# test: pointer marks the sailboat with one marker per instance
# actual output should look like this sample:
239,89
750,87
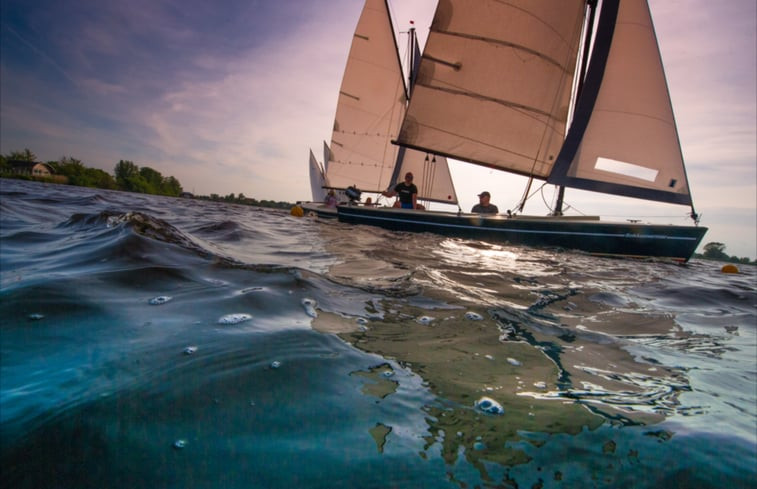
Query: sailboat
570,92
373,98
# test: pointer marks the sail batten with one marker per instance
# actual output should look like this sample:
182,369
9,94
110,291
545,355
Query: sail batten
499,42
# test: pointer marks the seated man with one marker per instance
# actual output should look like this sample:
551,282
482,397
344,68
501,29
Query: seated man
484,206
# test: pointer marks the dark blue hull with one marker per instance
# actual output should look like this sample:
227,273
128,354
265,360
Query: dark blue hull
318,209
628,239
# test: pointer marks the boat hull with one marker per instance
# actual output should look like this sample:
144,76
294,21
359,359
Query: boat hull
625,239
318,209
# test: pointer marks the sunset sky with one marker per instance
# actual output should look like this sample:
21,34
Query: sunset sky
229,96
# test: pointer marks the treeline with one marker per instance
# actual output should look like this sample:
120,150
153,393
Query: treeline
716,251
241,199
128,176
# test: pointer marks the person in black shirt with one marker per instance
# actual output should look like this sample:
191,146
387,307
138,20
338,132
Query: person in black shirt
483,206
407,192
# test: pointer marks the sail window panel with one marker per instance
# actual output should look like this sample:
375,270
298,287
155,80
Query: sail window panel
491,92
632,120
626,169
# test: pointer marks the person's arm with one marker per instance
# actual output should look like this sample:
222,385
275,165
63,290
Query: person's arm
390,193
415,200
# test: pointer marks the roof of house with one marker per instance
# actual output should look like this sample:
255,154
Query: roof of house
21,164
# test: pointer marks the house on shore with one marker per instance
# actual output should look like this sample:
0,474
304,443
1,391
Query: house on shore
31,168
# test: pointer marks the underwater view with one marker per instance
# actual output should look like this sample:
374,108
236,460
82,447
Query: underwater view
149,341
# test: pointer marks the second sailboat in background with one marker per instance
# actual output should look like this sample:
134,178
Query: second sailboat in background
372,101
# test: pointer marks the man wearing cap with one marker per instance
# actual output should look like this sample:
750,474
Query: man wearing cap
483,206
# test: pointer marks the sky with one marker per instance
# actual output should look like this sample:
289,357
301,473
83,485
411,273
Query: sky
229,96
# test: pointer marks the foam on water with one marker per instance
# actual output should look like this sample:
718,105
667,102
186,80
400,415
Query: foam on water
234,318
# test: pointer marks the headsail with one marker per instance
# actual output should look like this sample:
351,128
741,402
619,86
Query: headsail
495,81
432,175
623,139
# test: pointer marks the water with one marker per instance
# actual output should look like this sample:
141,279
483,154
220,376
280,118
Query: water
158,342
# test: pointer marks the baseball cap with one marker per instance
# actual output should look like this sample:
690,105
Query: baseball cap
482,194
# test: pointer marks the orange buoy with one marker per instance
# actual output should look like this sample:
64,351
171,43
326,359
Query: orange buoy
729,269
297,211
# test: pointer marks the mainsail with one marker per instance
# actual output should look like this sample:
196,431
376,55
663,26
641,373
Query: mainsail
372,102
496,82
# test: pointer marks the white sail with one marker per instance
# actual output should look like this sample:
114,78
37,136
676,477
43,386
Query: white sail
326,157
624,139
431,176
372,102
495,82
370,107
317,180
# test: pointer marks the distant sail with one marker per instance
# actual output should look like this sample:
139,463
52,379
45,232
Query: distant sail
317,180
326,157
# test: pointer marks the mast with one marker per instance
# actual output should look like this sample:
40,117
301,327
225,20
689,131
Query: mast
411,60
412,42
591,6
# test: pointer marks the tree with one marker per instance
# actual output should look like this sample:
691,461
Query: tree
24,155
152,178
715,251
129,178
171,187
124,171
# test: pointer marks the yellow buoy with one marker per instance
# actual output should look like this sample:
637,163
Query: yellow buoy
729,269
297,211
